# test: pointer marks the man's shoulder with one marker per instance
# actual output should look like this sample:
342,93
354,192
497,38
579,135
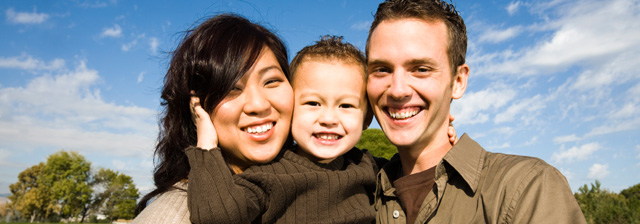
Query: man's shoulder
515,169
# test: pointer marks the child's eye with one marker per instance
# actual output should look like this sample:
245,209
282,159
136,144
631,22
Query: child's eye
346,105
312,103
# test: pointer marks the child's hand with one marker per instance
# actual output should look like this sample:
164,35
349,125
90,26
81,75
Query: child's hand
207,137
453,138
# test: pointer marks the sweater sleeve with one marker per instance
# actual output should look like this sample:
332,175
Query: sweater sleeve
214,194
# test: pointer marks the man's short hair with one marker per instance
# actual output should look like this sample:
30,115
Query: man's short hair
427,10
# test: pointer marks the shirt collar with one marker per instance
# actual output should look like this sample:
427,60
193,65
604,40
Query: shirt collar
467,158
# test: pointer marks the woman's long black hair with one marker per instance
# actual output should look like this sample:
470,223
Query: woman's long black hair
209,60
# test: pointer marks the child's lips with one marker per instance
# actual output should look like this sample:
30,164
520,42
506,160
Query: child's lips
326,138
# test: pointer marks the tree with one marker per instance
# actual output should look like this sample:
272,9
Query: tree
117,200
28,195
68,175
65,187
602,206
377,143
632,194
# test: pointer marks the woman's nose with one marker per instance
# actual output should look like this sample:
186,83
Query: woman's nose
256,102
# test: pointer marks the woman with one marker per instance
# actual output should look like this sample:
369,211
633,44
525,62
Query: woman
240,72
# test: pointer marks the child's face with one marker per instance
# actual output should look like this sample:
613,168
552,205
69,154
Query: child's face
329,109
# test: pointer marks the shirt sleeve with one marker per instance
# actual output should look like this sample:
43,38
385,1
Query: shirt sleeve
214,194
544,196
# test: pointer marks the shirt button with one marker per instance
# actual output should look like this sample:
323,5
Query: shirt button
396,214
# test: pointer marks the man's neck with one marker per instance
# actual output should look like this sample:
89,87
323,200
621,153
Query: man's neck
418,160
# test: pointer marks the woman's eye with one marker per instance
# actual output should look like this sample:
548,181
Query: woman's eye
272,82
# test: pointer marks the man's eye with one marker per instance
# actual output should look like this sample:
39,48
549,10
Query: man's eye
382,70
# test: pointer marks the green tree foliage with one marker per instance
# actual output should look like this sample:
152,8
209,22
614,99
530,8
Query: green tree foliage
68,175
65,187
632,194
119,195
377,143
28,195
602,206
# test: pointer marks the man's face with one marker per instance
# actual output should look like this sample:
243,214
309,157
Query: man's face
410,82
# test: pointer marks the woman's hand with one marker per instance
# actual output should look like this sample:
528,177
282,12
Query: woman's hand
453,138
207,137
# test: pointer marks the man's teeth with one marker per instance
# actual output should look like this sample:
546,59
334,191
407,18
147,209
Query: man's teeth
403,115
260,129
327,136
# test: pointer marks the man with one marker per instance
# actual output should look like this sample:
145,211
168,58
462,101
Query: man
416,61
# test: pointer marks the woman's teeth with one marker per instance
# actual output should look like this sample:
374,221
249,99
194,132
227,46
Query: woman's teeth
260,129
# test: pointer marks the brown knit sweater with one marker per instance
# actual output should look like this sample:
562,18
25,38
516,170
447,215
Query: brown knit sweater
290,189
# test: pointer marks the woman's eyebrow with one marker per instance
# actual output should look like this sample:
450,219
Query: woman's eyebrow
269,68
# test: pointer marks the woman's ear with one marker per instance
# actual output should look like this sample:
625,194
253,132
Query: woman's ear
460,81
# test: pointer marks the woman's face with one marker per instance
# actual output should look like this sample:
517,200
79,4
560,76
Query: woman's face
253,120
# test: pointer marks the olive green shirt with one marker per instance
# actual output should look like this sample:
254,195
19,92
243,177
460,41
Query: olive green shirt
476,186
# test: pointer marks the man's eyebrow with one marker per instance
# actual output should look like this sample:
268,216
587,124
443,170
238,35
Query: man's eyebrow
378,62
420,61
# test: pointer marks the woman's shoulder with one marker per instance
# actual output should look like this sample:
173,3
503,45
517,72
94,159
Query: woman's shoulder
169,207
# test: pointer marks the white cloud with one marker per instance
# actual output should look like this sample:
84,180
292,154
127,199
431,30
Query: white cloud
598,171
25,17
634,92
114,31
628,110
530,106
26,62
140,77
496,36
65,110
578,24
608,128
531,141
512,8
575,153
472,108
126,47
503,146
638,151
119,164
361,26
567,138
153,44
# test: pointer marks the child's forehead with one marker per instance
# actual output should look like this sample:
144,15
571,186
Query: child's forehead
340,61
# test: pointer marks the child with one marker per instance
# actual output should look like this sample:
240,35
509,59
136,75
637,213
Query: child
322,179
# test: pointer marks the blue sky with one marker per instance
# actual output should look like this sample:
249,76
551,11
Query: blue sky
552,79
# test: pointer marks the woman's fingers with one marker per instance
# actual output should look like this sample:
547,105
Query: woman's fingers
453,138
206,132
